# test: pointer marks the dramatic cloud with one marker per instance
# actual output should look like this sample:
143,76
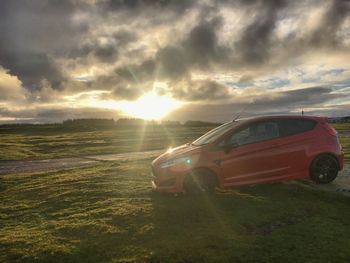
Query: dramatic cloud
276,56
257,40
31,33
201,90
326,33
10,88
283,102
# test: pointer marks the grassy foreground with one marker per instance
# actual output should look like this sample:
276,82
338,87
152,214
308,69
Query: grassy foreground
108,213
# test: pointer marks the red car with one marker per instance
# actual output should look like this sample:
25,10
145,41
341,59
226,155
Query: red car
250,151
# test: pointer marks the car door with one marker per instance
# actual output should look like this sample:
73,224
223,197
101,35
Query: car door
296,139
252,154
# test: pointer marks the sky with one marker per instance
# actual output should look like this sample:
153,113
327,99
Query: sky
173,59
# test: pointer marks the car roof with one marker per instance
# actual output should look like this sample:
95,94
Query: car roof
242,122
269,117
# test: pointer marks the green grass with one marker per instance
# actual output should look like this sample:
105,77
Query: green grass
345,142
107,213
344,136
53,141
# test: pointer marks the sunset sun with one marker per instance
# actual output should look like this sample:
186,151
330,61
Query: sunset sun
150,106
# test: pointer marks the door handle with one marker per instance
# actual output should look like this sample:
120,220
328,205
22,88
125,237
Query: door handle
217,162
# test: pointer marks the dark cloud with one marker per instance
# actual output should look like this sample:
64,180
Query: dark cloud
314,95
333,19
171,63
120,89
134,5
202,43
200,90
124,37
256,41
270,102
30,32
284,100
123,92
174,62
137,73
200,48
31,68
106,53
245,79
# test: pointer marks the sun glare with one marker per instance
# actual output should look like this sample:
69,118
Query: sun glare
150,106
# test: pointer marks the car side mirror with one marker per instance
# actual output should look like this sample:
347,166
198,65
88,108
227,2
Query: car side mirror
229,147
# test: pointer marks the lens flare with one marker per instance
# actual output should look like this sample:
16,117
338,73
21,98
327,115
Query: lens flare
150,106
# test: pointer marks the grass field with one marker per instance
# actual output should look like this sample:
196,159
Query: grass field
108,213
344,135
53,141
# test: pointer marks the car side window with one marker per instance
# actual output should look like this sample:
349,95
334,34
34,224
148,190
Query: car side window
289,127
255,133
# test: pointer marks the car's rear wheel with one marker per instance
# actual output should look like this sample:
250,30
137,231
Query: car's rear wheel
324,169
200,181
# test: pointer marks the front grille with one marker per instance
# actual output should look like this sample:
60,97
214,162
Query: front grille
167,182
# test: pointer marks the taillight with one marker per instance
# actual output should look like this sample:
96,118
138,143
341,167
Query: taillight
330,130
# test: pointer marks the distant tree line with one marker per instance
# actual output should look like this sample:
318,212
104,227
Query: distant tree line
90,122
200,123
132,122
124,122
340,120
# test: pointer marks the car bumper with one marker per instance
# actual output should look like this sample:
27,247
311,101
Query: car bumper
166,184
165,189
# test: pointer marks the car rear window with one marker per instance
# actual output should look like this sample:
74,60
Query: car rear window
295,126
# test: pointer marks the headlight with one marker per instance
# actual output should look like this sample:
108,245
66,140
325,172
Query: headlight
182,160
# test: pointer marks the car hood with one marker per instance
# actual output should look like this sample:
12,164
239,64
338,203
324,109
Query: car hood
183,150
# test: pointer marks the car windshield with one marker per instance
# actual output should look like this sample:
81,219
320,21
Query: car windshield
212,135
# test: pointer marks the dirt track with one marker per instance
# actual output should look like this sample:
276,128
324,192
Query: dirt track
9,167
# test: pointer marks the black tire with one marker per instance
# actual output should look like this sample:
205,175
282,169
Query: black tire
200,181
324,169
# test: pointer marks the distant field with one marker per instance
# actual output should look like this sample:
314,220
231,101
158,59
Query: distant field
53,141
107,213
344,135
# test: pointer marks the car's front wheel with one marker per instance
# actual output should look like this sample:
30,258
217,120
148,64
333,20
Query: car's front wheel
324,169
200,181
